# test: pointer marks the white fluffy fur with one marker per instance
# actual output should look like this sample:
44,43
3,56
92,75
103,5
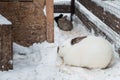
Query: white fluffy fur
91,52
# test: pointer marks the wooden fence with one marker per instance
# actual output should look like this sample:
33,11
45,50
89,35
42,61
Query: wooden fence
106,17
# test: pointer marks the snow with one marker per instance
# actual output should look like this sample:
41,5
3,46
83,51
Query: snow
59,2
41,61
4,21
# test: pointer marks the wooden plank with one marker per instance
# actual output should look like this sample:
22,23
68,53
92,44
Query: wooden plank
0,46
62,9
27,37
16,0
111,20
4,0
90,25
50,20
72,8
6,61
25,0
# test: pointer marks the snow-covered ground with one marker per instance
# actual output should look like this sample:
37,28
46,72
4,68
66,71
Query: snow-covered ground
41,61
58,2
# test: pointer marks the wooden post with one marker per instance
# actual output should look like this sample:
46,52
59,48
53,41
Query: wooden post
72,8
50,20
16,0
0,47
6,55
5,47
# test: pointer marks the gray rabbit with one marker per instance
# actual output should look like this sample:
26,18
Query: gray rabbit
65,24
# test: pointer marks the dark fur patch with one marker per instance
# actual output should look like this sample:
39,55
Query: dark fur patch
58,17
77,40
57,49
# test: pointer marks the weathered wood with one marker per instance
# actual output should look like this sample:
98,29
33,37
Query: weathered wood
112,21
28,21
27,36
16,0
62,9
90,25
6,55
25,0
72,9
50,20
0,45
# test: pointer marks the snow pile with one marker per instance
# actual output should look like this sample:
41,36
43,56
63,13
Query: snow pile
59,2
4,21
41,61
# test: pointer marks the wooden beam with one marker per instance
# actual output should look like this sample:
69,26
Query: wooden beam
111,20
62,9
6,54
72,8
16,0
0,46
50,20
90,25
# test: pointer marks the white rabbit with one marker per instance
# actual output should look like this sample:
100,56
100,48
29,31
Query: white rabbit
90,52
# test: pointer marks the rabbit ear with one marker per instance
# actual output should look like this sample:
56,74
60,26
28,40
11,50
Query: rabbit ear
61,15
77,40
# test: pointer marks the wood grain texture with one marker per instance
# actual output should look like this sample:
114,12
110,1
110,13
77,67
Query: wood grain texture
26,18
0,45
62,9
16,0
6,55
111,20
90,25
50,20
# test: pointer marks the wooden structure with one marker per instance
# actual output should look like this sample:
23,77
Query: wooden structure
109,19
16,0
6,47
106,17
50,20
30,25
